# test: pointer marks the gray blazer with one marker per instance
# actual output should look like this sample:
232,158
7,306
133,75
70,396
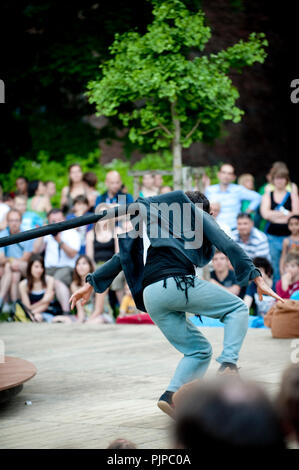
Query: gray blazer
176,232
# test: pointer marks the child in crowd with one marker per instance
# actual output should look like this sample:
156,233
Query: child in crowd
289,282
127,306
251,295
290,243
223,275
37,291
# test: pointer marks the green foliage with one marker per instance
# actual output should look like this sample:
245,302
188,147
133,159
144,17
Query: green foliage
148,73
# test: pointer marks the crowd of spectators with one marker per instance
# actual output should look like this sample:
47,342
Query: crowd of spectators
42,273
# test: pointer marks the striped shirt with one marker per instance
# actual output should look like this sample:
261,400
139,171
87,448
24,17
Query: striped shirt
256,245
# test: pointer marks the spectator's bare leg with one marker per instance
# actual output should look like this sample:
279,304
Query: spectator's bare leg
98,308
63,295
5,281
14,288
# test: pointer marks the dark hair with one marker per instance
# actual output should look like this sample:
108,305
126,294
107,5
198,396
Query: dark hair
22,178
81,198
7,197
32,187
263,263
76,278
14,210
90,179
122,444
228,413
244,215
292,256
32,260
296,217
199,198
55,210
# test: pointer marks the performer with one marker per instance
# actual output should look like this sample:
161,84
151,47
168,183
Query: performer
163,283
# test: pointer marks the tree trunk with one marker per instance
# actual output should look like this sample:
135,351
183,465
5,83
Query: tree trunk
176,150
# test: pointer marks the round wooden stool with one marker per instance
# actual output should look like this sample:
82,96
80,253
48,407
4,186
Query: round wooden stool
13,373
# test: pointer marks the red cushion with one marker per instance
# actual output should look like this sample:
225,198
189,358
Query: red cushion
137,318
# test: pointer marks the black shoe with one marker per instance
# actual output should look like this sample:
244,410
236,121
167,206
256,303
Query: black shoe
228,368
166,404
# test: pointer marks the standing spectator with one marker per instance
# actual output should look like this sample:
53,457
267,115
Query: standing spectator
91,180
231,196
81,207
276,208
13,258
61,252
158,182
251,295
251,239
75,188
289,282
30,219
22,185
290,243
38,201
37,290
148,187
114,194
222,275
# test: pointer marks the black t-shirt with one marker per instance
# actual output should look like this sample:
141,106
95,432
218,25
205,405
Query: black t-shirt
229,281
163,262
280,230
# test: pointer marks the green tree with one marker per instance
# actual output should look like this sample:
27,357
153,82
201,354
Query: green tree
164,89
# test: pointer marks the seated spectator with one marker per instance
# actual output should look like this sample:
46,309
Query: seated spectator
90,180
8,199
289,282
50,188
251,295
22,185
246,180
75,188
30,219
148,187
251,239
13,258
38,201
114,194
276,208
290,243
231,196
288,402
215,210
127,306
37,291
230,414
222,275
61,252
100,247
4,208
81,207
158,182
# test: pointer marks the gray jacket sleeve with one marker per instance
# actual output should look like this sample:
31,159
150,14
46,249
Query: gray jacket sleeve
105,274
242,264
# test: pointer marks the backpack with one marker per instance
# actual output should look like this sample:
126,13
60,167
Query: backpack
22,314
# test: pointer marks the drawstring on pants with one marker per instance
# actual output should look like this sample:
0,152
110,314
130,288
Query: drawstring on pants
183,283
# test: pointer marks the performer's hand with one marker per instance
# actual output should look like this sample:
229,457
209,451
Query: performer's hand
264,289
82,294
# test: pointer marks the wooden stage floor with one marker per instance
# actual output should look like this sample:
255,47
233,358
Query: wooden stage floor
95,383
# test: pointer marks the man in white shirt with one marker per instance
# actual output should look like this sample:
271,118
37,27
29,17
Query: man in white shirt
61,252
230,196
